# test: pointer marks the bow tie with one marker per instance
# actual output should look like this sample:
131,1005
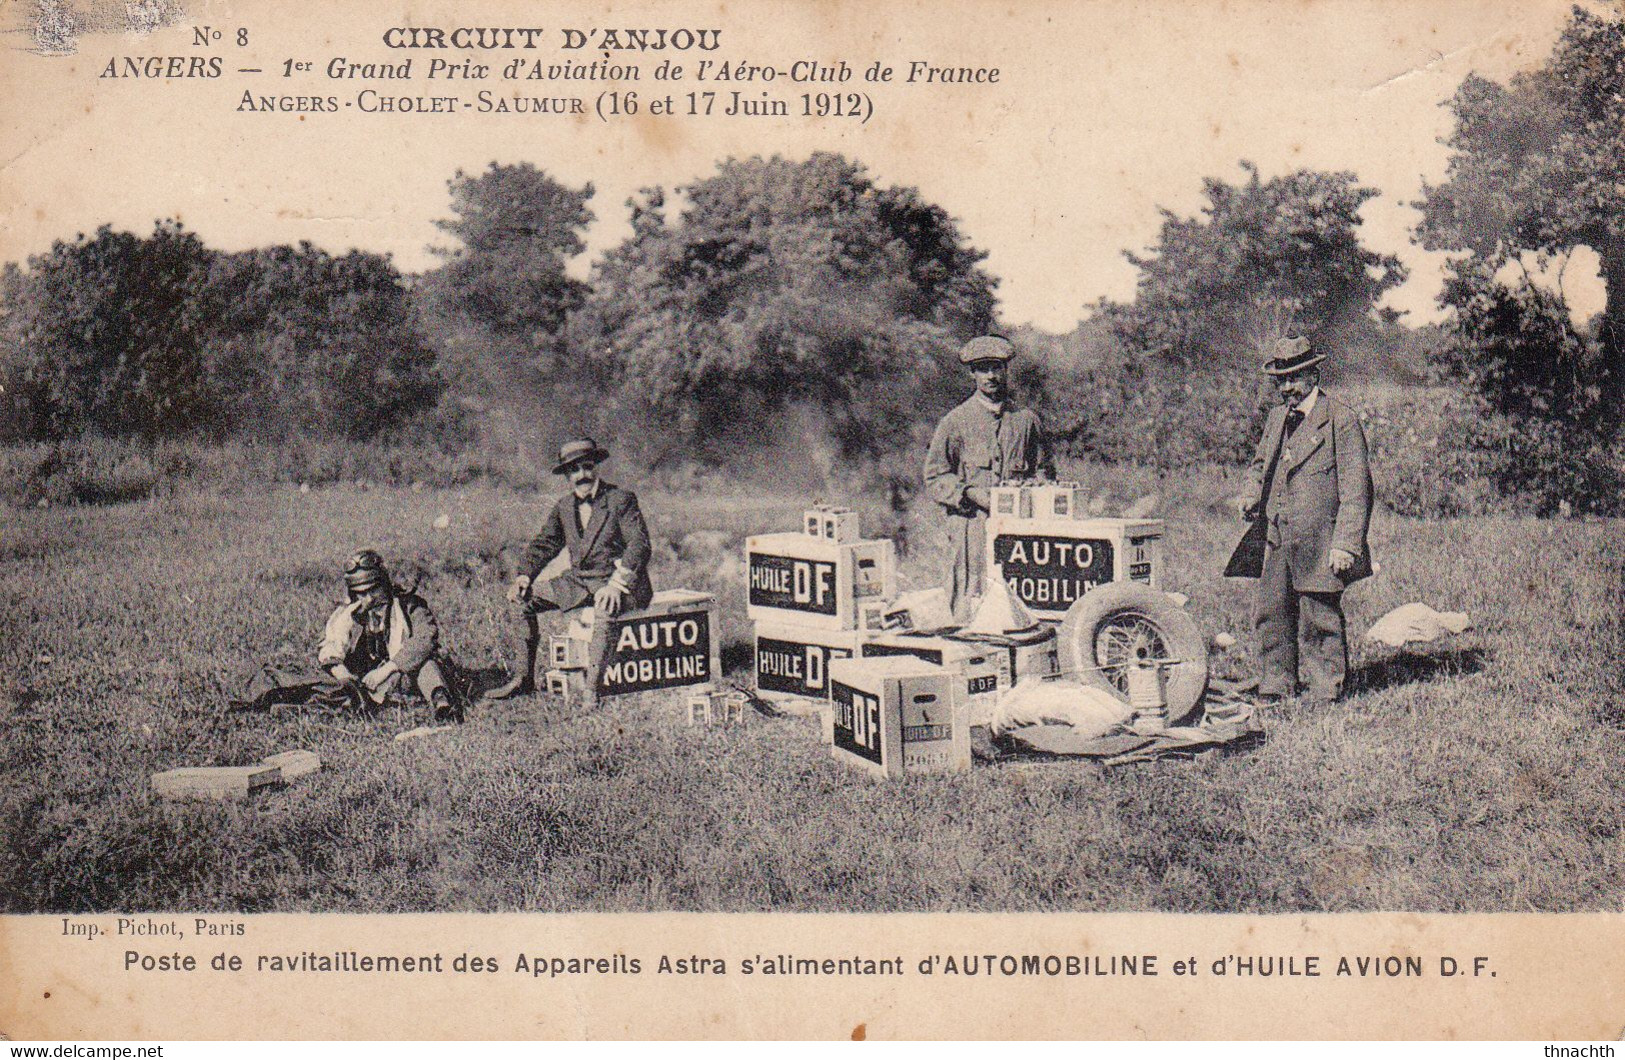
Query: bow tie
1293,418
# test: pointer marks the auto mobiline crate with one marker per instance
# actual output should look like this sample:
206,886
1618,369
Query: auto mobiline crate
898,715
984,668
792,661
672,643
1049,564
1039,500
815,582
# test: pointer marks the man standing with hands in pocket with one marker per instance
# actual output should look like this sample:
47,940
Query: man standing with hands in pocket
1310,504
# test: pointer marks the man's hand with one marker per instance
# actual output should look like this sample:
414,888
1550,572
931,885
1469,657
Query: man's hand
1340,561
979,496
609,599
379,677
519,591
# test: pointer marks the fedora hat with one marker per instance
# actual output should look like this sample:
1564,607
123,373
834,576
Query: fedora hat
1291,355
573,452
986,348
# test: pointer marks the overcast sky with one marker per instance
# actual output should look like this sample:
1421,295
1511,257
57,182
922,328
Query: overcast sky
1103,113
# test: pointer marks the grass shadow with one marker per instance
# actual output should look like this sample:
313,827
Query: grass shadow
1408,668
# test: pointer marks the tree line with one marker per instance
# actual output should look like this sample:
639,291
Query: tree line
775,285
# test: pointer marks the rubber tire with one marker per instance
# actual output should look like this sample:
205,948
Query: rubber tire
1186,680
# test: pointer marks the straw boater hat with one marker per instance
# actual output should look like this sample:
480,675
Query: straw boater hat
986,348
572,453
1291,355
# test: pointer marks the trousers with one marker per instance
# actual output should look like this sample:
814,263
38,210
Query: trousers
967,544
314,686
1298,631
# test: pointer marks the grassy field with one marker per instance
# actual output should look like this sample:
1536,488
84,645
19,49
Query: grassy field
1488,774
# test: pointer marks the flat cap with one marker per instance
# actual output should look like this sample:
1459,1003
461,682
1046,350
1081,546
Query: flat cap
986,348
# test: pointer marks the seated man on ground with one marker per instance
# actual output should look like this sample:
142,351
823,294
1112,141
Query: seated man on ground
382,640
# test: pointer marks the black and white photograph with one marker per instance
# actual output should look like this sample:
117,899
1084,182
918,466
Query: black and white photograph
1005,463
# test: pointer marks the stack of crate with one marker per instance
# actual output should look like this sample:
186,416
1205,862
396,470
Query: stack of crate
814,597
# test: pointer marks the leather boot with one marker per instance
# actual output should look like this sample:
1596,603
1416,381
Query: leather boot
523,681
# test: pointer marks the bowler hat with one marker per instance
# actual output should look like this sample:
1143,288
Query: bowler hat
364,571
573,452
986,348
1291,355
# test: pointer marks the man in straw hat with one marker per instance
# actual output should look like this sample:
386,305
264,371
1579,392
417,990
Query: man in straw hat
383,640
602,527
977,445
1310,505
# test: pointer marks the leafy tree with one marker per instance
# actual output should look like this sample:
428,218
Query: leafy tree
302,340
1538,169
98,336
785,283
518,228
1263,257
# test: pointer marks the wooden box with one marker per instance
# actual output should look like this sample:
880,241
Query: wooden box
792,660
567,652
215,783
672,643
831,524
715,708
816,582
1048,564
983,669
898,715
294,764
1040,500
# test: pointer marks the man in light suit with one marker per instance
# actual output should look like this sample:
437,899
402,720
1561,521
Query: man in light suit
602,527
1310,502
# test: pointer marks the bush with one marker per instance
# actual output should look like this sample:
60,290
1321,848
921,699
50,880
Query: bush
1436,453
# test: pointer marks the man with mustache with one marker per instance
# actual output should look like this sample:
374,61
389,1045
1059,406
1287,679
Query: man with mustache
602,527
1311,497
977,445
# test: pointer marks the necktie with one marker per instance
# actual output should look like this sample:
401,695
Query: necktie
1293,418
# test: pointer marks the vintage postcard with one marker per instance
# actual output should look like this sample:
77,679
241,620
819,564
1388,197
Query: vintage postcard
784,519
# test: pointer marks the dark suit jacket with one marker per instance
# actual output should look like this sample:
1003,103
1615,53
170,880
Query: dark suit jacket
616,531
1320,498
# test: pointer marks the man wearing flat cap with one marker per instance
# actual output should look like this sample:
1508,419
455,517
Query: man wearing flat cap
979,444
602,527
1310,505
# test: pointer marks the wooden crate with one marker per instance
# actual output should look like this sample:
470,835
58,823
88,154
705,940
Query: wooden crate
896,716
716,708
832,524
294,764
792,660
567,652
1040,500
812,581
672,643
215,783
984,669
1048,564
